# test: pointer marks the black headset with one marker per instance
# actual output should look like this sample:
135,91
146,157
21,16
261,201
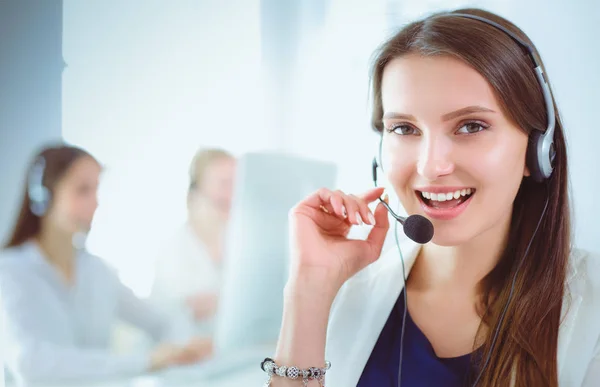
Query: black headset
540,158
38,194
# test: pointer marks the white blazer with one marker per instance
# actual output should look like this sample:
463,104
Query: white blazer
363,305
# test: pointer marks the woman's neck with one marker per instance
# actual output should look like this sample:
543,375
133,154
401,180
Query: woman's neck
57,248
459,268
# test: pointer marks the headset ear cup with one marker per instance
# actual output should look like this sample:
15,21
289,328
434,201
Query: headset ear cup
39,195
39,200
45,199
533,159
38,209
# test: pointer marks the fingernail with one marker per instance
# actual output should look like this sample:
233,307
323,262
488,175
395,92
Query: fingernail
386,198
359,219
371,218
344,213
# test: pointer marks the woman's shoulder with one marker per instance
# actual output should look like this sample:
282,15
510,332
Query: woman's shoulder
579,254
15,257
579,340
583,283
27,256
18,266
584,267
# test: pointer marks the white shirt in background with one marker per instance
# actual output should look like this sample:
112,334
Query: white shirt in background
61,332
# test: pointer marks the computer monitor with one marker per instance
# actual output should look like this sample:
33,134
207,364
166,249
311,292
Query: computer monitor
256,256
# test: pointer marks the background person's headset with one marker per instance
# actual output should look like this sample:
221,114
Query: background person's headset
540,157
39,195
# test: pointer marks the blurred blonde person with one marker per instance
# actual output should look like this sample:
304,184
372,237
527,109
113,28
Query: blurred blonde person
187,279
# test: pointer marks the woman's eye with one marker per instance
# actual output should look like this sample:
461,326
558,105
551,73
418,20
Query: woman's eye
404,130
471,128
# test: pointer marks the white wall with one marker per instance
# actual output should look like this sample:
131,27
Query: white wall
30,100
30,94
149,81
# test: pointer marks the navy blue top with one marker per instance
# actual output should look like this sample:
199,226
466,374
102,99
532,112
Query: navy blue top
420,365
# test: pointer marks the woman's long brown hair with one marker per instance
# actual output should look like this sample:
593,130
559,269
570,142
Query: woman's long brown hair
57,159
528,335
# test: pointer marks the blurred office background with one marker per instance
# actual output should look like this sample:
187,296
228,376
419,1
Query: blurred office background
142,84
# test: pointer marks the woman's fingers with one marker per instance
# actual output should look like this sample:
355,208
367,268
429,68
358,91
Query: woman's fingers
353,208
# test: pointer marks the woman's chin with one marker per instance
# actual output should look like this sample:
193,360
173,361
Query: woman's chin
449,237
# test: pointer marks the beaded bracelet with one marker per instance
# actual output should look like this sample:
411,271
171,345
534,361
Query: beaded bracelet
272,369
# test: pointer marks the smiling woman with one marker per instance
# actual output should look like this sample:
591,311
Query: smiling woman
471,139
469,131
448,142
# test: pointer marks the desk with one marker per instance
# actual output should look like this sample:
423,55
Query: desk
238,369
251,376
247,377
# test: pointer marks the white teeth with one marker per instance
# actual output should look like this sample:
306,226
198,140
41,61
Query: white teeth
442,197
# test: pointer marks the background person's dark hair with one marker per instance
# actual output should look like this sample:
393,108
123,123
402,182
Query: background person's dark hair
57,161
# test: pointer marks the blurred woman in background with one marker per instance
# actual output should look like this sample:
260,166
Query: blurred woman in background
61,302
188,275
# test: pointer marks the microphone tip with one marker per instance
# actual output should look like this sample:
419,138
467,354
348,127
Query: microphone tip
418,228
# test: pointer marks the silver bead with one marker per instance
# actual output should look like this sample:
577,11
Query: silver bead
327,365
281,371
269,367
293,372
316,372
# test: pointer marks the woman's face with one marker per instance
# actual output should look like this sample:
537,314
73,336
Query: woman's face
75,197
449,151
217,184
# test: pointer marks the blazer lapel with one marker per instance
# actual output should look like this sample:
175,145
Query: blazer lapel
571,303
365,304
581,324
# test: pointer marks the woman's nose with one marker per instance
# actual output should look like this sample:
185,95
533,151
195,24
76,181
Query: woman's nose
435,157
